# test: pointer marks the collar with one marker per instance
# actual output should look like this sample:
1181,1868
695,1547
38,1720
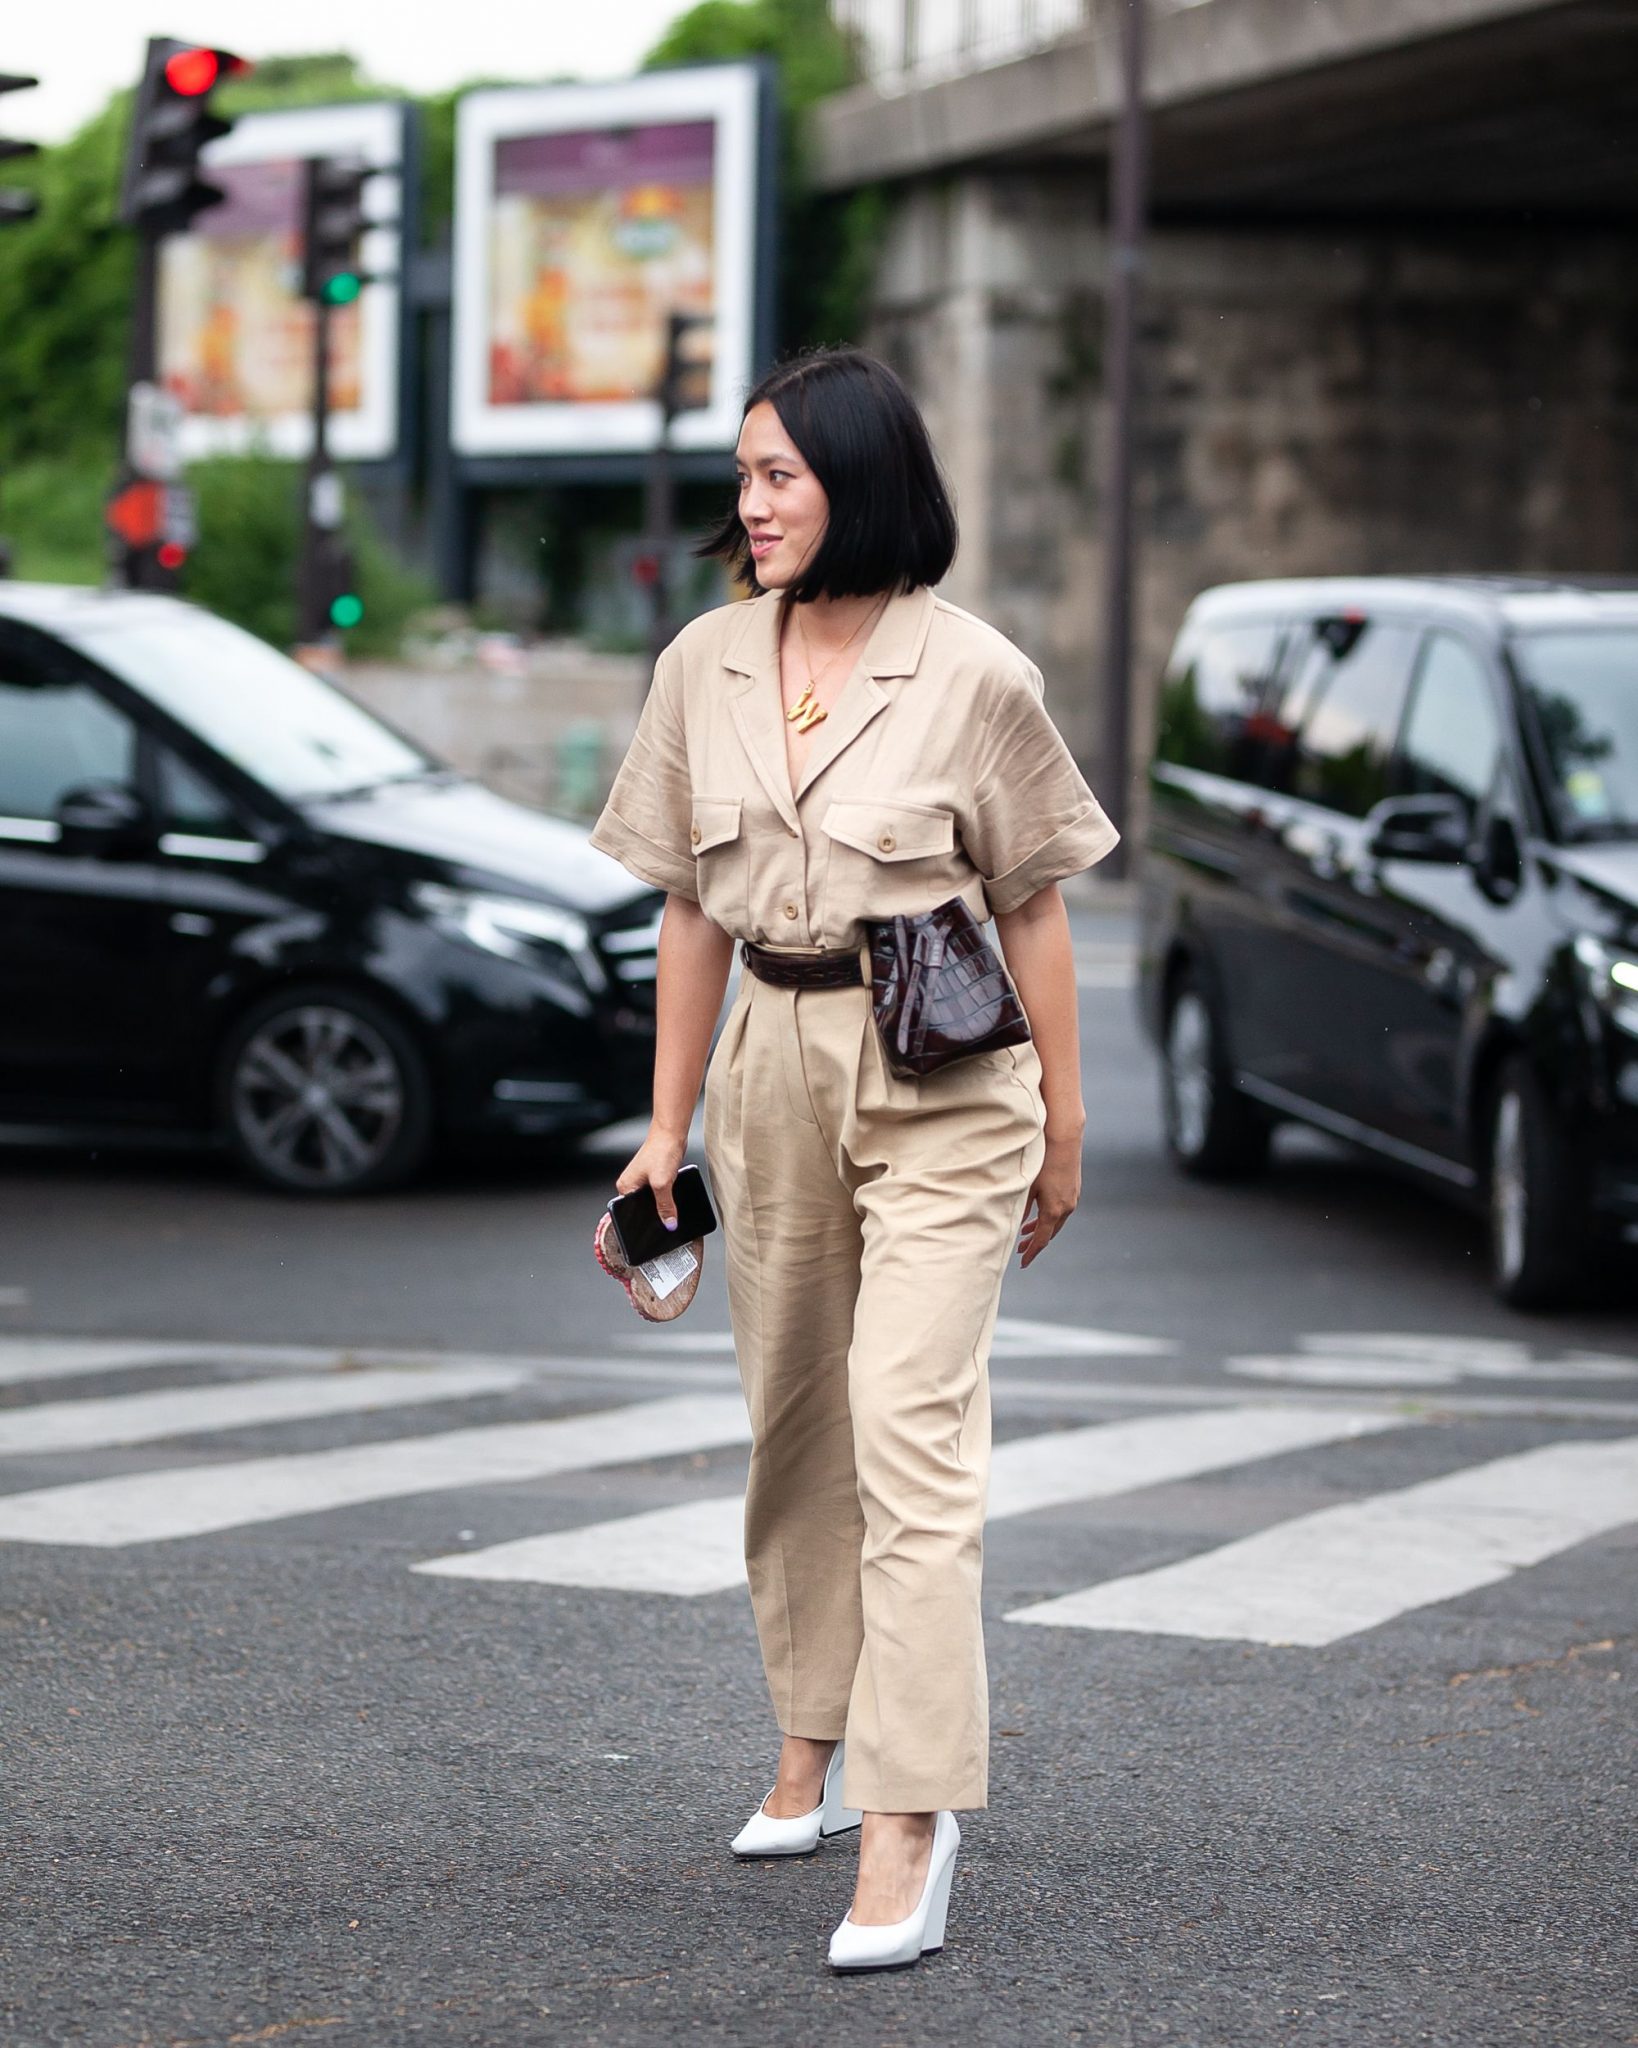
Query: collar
893,649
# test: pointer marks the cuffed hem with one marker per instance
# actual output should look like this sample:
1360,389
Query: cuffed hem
657,865
1075,847
867,1794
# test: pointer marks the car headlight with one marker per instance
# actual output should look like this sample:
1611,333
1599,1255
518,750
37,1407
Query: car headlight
514,926
1611,974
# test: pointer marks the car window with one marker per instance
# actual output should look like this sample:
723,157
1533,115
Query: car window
189,803
56,733
1453,733
1344,709
1582,686
295,733
1212,696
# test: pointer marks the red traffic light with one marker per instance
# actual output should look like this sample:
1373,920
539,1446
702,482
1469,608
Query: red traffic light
137,512
193,72
171,554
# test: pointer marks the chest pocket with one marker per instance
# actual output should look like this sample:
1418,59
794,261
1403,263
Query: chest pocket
716,836
887,856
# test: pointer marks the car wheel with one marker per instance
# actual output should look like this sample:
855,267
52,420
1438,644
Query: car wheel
1212,1131
322,1092
1537,1208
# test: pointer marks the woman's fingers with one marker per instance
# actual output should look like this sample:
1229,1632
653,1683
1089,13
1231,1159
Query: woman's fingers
664,1200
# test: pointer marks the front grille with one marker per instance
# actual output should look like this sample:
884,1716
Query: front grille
628,947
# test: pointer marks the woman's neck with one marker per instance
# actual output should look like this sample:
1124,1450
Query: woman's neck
830,622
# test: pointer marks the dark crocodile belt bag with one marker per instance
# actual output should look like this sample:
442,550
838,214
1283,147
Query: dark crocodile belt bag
939,991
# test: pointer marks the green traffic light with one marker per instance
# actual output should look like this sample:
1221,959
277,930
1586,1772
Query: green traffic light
346,610
342,289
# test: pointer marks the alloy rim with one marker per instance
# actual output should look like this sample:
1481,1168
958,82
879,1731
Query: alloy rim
318,1096
1188,1074
1509,1193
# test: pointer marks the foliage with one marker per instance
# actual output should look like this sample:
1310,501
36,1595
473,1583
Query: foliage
65,298
51,512
827,243
244,566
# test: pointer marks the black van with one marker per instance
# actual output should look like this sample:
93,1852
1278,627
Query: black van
232,901
1391,891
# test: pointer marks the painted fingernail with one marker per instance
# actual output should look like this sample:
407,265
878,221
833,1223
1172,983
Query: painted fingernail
670,1222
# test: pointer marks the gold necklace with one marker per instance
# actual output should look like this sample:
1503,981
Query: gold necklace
807,711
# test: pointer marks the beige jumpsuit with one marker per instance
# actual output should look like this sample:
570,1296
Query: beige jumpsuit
867,1219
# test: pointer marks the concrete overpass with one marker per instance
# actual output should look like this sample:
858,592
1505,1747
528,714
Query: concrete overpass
1390,312
1298,106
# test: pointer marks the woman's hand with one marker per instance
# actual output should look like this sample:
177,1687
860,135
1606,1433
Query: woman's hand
654,1165
1053,1197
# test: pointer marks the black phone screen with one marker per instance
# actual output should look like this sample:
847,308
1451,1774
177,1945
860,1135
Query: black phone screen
637,1221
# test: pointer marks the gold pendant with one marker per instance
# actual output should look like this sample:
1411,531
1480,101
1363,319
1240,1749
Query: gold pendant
806,712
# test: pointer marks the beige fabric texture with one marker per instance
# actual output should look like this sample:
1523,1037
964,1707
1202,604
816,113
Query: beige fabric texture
937,773
867,1218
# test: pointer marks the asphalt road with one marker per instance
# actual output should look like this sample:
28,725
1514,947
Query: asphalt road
1310,1586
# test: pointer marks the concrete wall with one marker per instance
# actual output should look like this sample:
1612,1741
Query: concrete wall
1316,400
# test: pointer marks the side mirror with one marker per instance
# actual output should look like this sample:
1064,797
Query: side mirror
1425,828
103,818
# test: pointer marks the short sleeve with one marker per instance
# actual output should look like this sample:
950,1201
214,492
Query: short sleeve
645,823
1034,821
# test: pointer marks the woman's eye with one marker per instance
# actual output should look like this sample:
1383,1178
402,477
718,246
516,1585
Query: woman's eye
779,476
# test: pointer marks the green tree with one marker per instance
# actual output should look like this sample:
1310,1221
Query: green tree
827,244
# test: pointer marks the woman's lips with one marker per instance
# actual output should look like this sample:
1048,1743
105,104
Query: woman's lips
764,543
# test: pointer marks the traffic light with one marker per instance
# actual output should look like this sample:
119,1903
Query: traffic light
162,190
333,224
15,205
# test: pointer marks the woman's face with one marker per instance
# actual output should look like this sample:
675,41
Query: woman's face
782,504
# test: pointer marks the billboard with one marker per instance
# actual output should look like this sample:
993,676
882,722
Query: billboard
584,216
235,339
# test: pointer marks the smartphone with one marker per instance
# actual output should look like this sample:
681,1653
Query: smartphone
637,1219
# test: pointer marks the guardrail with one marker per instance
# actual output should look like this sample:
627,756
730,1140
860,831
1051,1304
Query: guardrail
906,43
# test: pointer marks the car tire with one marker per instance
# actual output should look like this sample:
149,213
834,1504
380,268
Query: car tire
1537,1210
1212,1131
321,1091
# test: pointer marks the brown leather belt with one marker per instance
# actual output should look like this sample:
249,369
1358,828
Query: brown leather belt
802,970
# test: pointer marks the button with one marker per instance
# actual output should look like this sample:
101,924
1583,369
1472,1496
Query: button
790,909
694,835
887,842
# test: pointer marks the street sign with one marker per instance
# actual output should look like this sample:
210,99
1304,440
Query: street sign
153,431
181,519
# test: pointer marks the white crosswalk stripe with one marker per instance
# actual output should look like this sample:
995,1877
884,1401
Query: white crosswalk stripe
1324,1576
146,1507
195,1411
695,1549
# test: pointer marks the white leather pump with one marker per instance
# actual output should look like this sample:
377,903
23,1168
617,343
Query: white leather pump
765,1834
889,1947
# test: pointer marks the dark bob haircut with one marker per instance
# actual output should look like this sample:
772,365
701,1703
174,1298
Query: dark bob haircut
891,524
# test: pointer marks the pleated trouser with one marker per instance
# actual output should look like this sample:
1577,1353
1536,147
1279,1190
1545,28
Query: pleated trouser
867,1223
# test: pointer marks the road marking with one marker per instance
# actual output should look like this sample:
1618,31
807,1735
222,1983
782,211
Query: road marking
1354,1358
194,1411
1321,1577
1014,1338
149,1507
697,1548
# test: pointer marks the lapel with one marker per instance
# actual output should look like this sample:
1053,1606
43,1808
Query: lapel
893,650
753,654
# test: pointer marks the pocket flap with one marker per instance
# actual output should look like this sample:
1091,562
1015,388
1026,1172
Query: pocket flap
890,830
715,820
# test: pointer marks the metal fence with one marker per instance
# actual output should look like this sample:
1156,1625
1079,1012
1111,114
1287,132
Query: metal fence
904,43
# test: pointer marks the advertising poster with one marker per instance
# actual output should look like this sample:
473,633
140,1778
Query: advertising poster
236,339
586,216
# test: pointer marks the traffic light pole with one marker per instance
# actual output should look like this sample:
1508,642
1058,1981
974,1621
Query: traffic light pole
1128,214
321,499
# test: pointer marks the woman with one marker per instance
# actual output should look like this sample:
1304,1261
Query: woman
846,747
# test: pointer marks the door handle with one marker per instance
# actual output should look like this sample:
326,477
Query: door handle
192,924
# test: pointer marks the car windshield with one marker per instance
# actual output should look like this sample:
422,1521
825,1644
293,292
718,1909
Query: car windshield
291,730
1583,685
